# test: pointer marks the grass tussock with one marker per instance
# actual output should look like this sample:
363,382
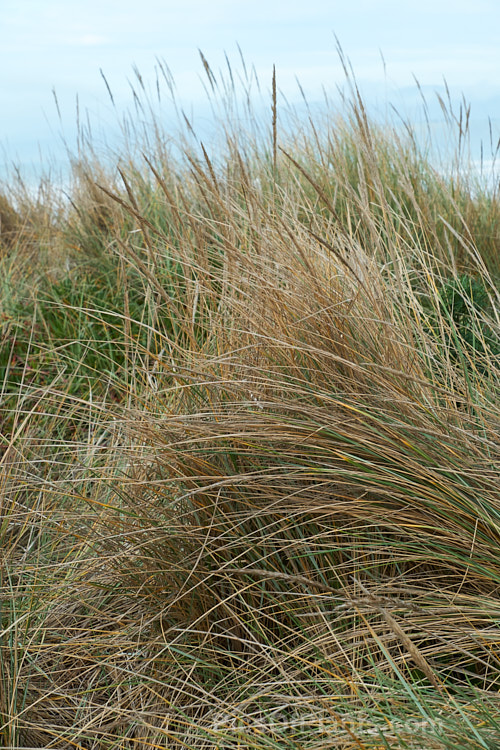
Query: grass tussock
250,446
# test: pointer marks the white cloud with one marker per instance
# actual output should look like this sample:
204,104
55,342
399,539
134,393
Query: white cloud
92,40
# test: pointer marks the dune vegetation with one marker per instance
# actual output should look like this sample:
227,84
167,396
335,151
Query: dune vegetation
250,478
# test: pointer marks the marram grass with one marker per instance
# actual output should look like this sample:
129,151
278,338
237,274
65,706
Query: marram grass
250,448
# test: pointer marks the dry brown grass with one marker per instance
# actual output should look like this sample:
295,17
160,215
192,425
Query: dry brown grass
274,523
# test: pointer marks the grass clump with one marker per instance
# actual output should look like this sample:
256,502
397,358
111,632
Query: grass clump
250,452
465,300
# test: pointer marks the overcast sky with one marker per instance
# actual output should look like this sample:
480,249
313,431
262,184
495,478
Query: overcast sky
63,44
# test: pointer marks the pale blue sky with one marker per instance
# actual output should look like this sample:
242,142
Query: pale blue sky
63,44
